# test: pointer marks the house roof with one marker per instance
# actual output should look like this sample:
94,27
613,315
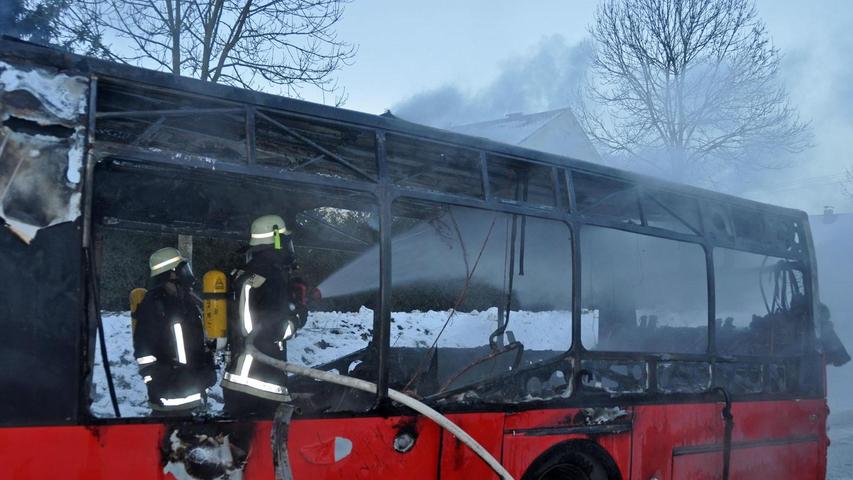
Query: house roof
554,131
513,129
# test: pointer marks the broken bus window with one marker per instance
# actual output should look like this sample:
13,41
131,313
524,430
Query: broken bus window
478,295
335,233
761,304
606,196
646,294
432,166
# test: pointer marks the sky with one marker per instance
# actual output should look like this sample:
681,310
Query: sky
406,47
470,52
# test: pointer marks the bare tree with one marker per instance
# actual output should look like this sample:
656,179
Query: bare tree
285,44
32,20
690,88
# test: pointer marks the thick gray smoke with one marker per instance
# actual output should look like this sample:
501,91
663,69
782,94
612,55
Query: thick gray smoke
548,77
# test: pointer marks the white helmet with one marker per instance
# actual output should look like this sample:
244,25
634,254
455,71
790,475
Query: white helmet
266,228
164,260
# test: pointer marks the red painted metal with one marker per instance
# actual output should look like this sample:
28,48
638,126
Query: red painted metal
373,454
125,452
673,441
772,439
457,460
527,435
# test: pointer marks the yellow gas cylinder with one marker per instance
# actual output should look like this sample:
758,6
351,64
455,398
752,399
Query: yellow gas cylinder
214,289
136,296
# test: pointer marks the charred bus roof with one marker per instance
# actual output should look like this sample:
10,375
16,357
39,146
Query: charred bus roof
142,114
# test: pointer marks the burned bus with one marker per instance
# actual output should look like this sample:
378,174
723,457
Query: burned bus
484,311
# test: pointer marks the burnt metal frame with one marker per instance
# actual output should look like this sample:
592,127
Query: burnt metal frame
385,192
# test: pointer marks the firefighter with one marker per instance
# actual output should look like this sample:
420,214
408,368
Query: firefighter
168,341
262,304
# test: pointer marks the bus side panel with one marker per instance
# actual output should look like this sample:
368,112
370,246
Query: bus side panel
660,428
794,461
684,441
457,459
42,144
792,432
126,452
530,434
41,314
141,451
362,448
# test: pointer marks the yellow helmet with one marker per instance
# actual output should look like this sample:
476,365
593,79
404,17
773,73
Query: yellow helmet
265,229
164,260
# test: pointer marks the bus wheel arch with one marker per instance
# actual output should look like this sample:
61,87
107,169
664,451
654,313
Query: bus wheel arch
574,460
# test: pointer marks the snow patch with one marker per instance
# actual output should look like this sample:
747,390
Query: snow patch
328,336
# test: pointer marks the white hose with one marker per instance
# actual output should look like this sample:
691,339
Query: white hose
396,396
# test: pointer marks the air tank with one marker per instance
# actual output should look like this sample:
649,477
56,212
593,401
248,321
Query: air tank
214,290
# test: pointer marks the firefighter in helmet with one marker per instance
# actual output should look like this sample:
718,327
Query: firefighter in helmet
168,341
262,304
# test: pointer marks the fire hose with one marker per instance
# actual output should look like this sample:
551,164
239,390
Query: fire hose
394,395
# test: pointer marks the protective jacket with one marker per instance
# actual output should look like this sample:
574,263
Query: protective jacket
261,304
169,347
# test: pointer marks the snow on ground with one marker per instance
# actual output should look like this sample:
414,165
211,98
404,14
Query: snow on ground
330,335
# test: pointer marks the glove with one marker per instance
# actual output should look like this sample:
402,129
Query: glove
289,332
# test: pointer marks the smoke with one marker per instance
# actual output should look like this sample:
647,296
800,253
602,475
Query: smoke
549,76
818,79
835,276
818,76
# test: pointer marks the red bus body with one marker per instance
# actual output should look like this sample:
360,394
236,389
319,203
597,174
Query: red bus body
772,439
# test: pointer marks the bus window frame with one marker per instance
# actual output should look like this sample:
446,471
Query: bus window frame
498,206
385,193
663,234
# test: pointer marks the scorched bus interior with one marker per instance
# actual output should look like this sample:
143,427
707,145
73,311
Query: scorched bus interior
507,281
